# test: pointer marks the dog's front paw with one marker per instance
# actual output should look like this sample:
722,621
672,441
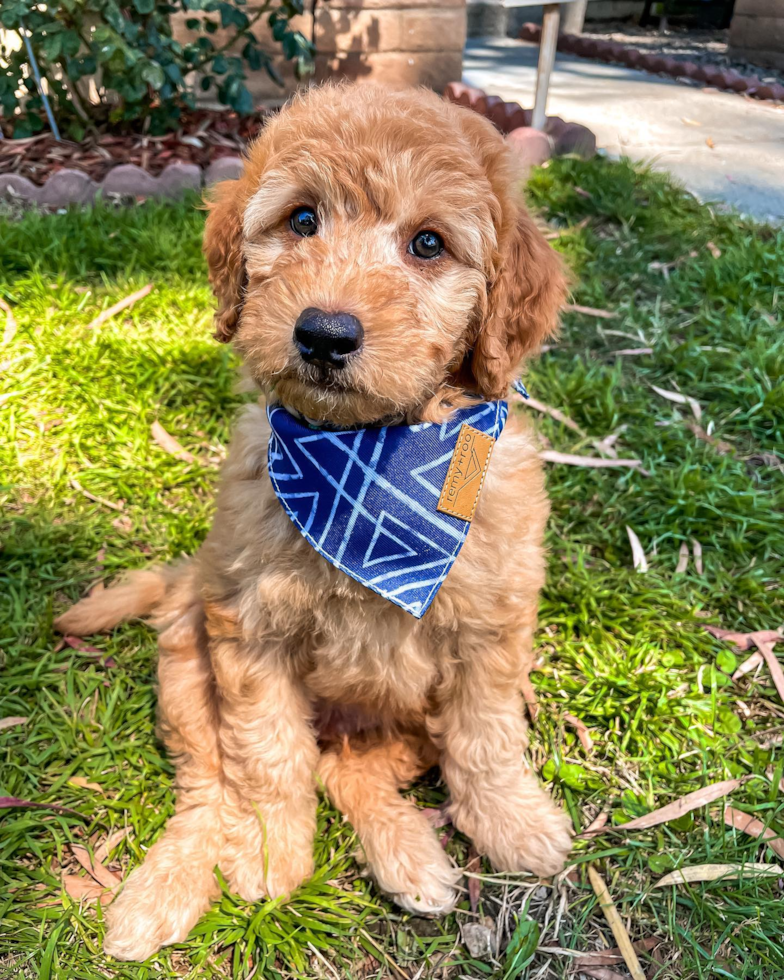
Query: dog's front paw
521,831
269,859
152,911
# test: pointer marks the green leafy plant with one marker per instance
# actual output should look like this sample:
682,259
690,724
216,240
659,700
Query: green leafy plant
111,63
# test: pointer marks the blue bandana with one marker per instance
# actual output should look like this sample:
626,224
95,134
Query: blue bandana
366,499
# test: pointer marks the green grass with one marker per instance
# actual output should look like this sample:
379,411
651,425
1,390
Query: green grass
625,652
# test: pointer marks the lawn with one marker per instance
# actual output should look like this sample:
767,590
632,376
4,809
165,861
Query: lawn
86,493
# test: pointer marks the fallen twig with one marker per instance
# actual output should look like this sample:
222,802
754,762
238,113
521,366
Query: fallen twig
91,496
616,924
589,311
169,444
555,413
597,462
123,304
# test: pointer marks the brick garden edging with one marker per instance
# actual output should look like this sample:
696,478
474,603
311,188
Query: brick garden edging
69,186
612,51
530,145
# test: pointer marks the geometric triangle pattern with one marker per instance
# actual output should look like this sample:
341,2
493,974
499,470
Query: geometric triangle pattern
366,498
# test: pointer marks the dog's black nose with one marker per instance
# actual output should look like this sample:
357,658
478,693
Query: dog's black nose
327,337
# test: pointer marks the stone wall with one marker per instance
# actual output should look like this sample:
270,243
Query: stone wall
416,42
757,32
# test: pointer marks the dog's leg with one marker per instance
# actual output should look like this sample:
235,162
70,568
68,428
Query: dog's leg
402,851
269,755
496,799
164,898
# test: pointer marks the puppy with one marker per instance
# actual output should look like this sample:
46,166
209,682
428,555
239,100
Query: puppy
374,266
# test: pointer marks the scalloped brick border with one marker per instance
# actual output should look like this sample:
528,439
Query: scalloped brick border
510,118
612,51
74,187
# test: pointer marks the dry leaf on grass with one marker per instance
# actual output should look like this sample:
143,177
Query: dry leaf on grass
601,973
679,807
103,850
529,696
169,444
638,552
589,311
582,731
714,250
751,663
599,821
436,816
555,413
610,957
474,866
94,868
722,448
76,644
616,924
680,399
10,323
776,673
84,889
696,550
745,641
714,872
123,304
83,783
11,721
754,828
683,559
594,462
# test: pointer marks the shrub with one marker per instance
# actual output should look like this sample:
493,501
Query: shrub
112,63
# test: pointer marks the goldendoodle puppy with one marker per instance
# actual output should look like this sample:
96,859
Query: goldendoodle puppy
376,269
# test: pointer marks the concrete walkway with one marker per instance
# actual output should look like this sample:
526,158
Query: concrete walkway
654,119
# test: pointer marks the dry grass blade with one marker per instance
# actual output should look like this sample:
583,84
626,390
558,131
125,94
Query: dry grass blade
680,399
638,552
682,806
555,413
616,924
94,868
754,828
582,731
10,323
589,311
714,872
123,304
601,973
751,663
683,559
169,444
610,957
696,550
598,822
596,462
631,351
12,721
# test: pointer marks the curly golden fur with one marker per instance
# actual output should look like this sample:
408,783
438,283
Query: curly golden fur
277,671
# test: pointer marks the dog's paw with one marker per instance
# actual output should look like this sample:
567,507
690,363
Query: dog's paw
521,830
259,865
150,913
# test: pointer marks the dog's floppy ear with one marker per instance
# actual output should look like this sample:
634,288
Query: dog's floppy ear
522,309
223,251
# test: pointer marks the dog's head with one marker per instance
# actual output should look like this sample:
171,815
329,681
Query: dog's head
375,256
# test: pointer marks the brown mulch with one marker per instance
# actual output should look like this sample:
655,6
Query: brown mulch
204,136
701,45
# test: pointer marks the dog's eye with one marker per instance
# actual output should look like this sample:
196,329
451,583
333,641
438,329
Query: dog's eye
426,245
303,222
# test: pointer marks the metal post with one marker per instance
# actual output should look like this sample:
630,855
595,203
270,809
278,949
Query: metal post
547,48
37,77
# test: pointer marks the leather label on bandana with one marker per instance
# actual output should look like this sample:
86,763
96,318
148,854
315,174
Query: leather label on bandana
466,473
